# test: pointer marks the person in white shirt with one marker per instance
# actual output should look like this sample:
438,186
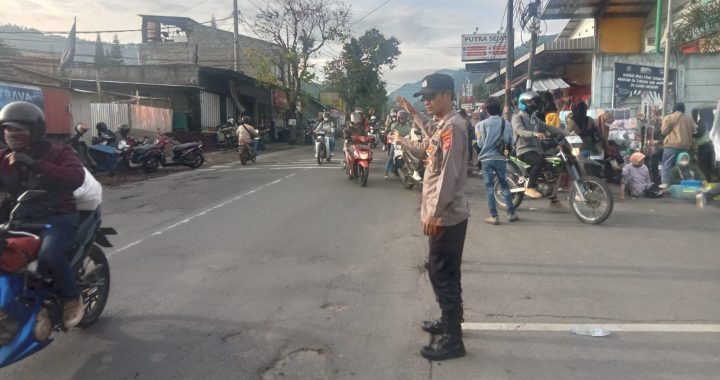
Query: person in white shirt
247,133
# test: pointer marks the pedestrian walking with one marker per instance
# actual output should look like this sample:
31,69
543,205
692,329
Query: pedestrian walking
678,130
444,209
704,149
496,137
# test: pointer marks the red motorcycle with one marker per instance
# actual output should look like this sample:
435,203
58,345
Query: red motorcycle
357,159
174,153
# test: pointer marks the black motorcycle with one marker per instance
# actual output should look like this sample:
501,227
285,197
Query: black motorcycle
174,153
590,198
406,165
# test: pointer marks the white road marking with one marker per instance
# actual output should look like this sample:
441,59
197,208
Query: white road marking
187,220
612,327
205,170
219,167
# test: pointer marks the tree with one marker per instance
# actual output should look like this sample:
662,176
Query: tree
482,91
115,58
357,74
213,22
300,28
700,21
100,59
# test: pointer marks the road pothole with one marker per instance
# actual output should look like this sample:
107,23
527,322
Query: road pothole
303,363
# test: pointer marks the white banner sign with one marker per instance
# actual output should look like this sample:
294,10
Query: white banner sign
483,47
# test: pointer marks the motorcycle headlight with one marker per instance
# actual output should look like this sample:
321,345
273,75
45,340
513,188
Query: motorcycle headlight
364,156
576,152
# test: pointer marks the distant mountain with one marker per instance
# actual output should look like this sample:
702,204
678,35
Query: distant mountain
408,89
33,41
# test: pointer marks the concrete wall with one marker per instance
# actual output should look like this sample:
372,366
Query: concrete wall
698,77
183,75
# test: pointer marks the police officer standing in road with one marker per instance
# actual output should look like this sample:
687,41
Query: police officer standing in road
444,210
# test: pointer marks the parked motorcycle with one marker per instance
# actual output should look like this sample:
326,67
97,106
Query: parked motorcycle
227,137
322,145
246,153
188,154
30,310
590,198
358,157
140,154
407,164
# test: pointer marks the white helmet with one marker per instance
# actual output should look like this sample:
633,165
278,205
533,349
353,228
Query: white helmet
356,117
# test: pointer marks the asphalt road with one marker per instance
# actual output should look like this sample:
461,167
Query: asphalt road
287,270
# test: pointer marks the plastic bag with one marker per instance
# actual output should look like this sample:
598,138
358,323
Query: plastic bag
88,196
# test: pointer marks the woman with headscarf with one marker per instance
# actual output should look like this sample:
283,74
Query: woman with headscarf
636,179
584,126
684,170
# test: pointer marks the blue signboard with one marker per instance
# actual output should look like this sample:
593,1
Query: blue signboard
16,92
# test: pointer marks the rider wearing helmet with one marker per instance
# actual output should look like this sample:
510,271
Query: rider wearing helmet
354,128
247,133
403,125
391,118
105,135
328,126
530,130
31,162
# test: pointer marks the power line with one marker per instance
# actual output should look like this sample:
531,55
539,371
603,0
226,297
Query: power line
369,13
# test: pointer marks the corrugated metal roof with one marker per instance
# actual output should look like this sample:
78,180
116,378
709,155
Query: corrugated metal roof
541,85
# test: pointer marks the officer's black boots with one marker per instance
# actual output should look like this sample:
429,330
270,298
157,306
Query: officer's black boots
450,344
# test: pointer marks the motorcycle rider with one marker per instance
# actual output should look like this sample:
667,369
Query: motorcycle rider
247,133
403,125
327,126
31,162
354,128
529,130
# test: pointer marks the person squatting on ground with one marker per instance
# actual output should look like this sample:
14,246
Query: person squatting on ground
678,130
496,138
636,179
444,208
31,162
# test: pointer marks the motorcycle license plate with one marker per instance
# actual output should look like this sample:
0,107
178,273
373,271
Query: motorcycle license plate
363,146
574,140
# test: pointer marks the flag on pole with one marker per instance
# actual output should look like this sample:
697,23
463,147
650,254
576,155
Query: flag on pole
68,56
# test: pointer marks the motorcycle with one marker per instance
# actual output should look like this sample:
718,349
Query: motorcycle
357,161
590,198
188,154
407,164
30,310
246,152
322,145
100,157
136,154
375,132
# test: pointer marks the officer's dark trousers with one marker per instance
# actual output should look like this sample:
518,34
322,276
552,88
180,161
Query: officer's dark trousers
446,251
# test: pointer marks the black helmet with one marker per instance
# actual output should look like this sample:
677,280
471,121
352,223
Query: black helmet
530,102
124,130
101,126
26,116
246,120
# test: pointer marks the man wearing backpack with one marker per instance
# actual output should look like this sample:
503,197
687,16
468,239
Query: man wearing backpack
496,138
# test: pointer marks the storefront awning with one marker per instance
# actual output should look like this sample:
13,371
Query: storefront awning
541,85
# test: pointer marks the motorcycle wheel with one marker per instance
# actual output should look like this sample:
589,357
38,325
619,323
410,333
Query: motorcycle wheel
517,198
152,165
197,160
320,155
243,160
94,275
406,178
363,174
599,201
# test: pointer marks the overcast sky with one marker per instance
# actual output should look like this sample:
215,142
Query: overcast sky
429,31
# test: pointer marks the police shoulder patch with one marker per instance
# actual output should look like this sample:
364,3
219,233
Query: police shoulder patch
446,137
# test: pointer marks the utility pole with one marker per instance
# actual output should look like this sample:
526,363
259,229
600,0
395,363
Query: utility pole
532,12
666,66
510,58
235,35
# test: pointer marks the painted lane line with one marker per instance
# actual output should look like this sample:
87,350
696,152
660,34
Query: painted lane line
220,167
613,327
206,211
